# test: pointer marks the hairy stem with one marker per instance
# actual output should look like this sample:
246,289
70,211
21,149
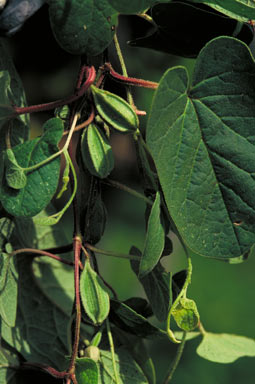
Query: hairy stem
129,80
77,250
38,252
125,188
91,75
123,67
111,253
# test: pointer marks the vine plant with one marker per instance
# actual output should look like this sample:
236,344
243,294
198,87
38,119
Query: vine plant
196,162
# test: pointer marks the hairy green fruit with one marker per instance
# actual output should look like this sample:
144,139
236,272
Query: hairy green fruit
115,111
96,152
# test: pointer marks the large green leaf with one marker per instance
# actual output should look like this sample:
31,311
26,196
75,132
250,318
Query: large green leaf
154,240
202,141
83,27
40,332
8,289
43,181
239,9
225,348
127,369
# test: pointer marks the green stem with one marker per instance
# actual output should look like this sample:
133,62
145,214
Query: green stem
176,360
125,188
109,334
146,17
123,67
181,294
111,253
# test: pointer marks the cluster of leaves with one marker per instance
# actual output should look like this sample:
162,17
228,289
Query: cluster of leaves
58,314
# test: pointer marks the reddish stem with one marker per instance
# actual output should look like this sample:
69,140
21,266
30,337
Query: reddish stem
77,243
42,253
91,75
129,80
51,371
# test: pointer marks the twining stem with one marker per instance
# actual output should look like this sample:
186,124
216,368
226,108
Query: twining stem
77,242
123,67
111,253
180,295
91,75
109,334
65,147
84,124
129,80
125,188
39,252
176,360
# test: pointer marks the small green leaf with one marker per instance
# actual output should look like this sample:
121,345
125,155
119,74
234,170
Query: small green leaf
8,289
186,314
158,287
115,111
132,322
43,336
225,348
86,371
14,174
83,27
94,295
128,370
154,241
41,182
96,152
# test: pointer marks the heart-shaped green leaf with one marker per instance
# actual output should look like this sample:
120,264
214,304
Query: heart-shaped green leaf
96,152
83,27
225,348
94,295
203,144
41,182
115,111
